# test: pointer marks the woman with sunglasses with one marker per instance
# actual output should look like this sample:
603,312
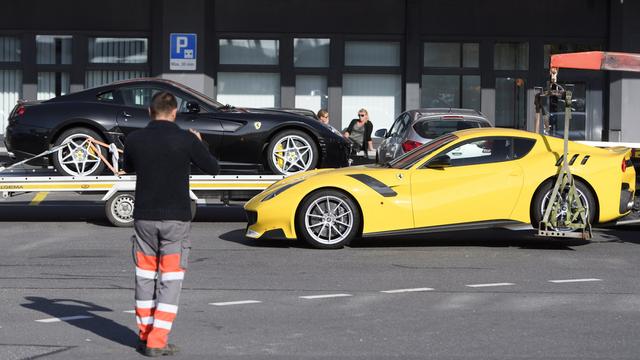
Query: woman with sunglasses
359,131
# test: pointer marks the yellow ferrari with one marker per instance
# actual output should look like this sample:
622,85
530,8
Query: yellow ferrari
476,178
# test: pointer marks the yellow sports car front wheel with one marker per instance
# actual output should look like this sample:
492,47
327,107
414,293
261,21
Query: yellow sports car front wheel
328,219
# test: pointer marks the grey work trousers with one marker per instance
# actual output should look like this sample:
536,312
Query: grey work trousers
160,253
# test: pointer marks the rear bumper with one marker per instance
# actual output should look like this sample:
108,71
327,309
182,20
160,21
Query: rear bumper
27,141
627,198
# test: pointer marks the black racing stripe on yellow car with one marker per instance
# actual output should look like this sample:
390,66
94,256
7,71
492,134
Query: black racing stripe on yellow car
378,186
451,227
571,161
584,161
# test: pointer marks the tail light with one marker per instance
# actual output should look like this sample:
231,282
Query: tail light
19,111
410,145
624,165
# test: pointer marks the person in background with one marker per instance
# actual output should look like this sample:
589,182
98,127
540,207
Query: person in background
323,116
359,131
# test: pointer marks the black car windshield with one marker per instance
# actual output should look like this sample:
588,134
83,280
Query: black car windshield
412,157
200,96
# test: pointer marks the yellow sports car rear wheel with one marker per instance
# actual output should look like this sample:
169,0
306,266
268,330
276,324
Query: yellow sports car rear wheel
543,195
328,219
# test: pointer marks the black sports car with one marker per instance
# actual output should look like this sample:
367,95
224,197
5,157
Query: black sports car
255,140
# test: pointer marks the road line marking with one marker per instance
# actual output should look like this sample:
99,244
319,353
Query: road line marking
38,198
243,302
572,280
489,285
310,297
130,311
405,290
66,318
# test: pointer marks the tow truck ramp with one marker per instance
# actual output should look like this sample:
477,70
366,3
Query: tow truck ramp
118,191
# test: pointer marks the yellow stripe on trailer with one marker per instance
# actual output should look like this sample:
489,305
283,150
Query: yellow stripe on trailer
38,198
44,187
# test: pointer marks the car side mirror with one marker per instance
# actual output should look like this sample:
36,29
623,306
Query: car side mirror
439,162
192,107
380,133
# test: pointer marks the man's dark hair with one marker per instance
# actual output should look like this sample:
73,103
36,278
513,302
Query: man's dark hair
162,103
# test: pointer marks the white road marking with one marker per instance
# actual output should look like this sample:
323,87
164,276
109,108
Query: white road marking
310,297
66,318
489,285
405,290
243,302
572,280
130,311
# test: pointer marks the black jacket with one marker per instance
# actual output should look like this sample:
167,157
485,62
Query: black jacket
161,155
368,129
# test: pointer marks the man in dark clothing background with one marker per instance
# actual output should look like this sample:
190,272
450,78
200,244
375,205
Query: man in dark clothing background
161,155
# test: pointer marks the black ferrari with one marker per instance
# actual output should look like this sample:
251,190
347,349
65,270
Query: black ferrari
244,140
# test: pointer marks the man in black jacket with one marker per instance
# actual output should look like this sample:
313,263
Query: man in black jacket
161,155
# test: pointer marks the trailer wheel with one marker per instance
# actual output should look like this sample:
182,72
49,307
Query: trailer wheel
119,209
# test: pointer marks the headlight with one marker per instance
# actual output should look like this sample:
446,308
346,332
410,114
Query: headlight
279,191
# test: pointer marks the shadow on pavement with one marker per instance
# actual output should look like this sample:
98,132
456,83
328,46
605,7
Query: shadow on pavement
484,238
96,324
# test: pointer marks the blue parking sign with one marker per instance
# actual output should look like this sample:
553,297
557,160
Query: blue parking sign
183,49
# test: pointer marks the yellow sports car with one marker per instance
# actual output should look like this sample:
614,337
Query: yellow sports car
468,179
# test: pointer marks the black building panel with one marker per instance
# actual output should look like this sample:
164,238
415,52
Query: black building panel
515,18
326,16
76,15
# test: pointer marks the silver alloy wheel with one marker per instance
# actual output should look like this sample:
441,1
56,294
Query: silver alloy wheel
122,208
563,211
78,158
292,154
328,220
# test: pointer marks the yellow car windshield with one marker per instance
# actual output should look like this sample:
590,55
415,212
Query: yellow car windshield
409,159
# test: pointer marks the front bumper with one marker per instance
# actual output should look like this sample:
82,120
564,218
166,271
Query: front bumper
335,153
268,219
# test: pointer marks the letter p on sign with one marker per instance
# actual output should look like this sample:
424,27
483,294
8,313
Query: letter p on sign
183,51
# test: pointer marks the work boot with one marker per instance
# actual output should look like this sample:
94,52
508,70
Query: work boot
170,349
141,346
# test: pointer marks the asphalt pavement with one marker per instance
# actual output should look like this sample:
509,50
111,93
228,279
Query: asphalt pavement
66,292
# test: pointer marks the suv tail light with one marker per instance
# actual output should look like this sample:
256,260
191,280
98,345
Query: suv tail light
409,145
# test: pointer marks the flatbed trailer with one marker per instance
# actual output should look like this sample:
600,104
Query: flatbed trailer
118,191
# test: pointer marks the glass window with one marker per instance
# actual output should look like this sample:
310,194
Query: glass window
380,94
440,91
105,96
471,91
9,49
141,97
510,103
118,50
53,49
551,49
311,92
249,51
431,129
52,84
400,125
454,55
489,150
372,53
451,91
311,53
95,78
511,56
10,93
249,89
442,54
470,55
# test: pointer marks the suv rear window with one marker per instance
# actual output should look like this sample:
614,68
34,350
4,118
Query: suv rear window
431,129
